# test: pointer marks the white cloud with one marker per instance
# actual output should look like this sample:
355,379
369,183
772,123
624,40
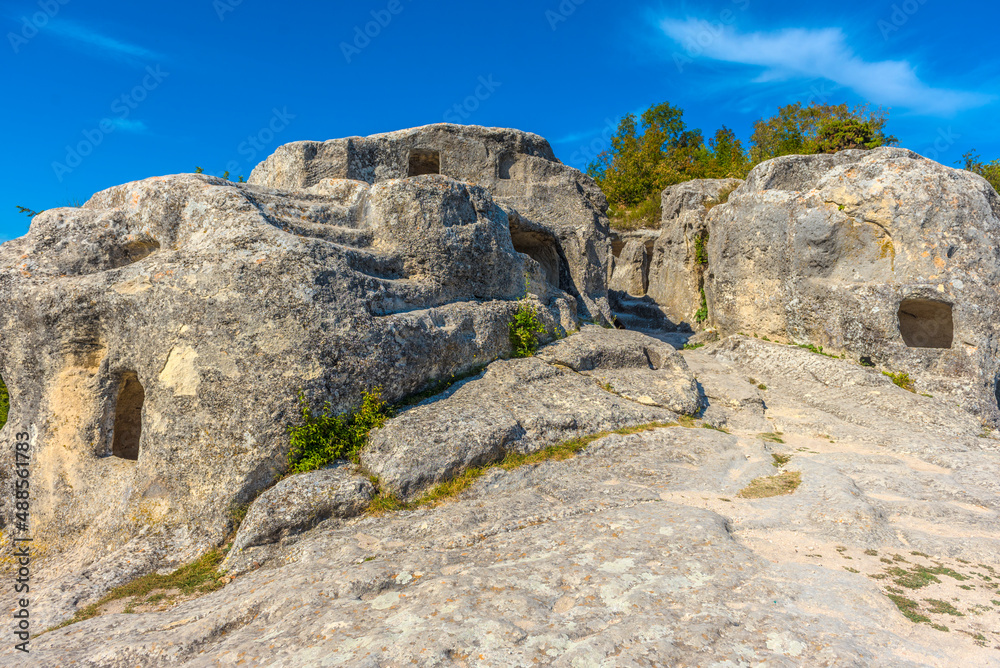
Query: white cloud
88,37
819,53
127,125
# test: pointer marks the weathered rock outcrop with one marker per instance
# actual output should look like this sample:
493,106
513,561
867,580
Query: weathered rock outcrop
675,276
880,254
641,551
154,341
657,277
525,405
560,216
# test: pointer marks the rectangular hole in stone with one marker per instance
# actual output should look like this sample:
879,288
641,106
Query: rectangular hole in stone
925,323
424,161
128,418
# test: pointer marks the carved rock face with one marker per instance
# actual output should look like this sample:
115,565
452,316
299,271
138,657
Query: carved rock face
155,340
879,254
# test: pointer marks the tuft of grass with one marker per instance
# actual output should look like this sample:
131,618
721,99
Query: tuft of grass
780,460
921,576
647,214
773,437
722,198
901,379
768,486
705,425
4,403
851,570
199,577
940,627
818,350
524,330
323,437
693,346
909,608
762,386
385,502
701,249
702,313
871,553
939,607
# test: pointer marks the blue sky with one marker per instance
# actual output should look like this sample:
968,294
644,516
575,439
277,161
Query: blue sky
99,94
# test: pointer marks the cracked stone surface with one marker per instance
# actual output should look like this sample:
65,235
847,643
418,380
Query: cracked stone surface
639,551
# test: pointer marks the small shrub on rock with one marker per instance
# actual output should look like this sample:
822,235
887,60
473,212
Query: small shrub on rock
524,331
324,437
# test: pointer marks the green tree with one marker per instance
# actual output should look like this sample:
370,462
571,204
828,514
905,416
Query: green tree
988,170
818,128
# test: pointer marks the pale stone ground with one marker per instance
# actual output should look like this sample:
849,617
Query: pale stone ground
639,552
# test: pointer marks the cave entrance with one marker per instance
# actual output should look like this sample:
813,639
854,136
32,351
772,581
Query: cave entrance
541,251
128,418
424,161
925,323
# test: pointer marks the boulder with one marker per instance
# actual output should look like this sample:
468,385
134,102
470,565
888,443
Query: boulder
155,340
881,256
299,503
561,211
675,276
526,405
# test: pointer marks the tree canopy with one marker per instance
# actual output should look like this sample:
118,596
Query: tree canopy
658,150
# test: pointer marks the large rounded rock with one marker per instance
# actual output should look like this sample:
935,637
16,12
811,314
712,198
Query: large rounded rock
565,227
299,503
155,340
876,254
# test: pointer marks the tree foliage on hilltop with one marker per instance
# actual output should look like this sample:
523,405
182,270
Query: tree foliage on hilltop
990,171
658,150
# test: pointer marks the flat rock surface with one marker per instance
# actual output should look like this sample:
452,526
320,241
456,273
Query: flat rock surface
641,551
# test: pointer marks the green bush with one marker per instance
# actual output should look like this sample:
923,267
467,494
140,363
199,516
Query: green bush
702,314
4,404
700,249
323,437
901,379
647,214
988,170
524,330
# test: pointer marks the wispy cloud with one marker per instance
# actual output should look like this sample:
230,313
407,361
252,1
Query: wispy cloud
129,125
822,53
87,37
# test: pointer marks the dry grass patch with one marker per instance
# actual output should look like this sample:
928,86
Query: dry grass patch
445,491
768,486
190,581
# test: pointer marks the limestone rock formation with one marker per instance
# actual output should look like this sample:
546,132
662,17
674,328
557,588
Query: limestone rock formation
154,341
641,550
560,216
657,275
882,255
523,406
